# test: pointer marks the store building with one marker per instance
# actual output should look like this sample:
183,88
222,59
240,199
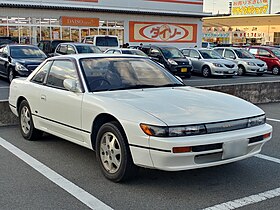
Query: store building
249,22
138,21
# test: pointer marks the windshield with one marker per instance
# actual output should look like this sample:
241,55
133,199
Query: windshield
104,74
243,53
26,52
107,41
172,53
88,49
134,52
276,52
210,54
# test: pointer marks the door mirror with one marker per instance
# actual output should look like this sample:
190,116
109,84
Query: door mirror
71,85
196,56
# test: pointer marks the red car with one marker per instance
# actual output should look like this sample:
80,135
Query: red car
270,55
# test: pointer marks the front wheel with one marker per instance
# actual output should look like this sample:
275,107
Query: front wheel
206,72
27,128
275,70
113,154
240,71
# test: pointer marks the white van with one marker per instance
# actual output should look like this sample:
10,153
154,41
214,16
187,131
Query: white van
102,41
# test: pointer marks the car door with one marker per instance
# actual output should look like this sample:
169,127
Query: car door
267,57
194,57
4,61
61,108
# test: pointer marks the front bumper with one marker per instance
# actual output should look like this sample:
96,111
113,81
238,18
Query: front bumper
207,150
255,69
223,71
179,70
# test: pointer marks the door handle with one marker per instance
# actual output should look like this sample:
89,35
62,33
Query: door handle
43,97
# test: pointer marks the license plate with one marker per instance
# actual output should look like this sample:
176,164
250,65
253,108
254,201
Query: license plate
234,149
230,72
184,69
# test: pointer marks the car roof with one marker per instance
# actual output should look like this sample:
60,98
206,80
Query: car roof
95,55
77,44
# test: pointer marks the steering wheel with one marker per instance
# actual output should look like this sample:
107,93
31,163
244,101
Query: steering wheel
98,83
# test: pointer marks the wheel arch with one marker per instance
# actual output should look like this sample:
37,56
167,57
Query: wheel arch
99,121
19,100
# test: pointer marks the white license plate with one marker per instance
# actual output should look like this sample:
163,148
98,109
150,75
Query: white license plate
234,149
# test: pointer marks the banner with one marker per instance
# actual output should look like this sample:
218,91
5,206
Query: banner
162,32
251,7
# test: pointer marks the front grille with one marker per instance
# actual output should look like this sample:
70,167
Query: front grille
229,66
226,126
260,65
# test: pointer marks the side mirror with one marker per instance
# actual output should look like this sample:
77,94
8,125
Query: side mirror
232,57
71,85
197,57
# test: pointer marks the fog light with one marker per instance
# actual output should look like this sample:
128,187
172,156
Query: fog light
181,149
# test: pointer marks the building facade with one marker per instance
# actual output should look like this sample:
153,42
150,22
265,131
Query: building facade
136,21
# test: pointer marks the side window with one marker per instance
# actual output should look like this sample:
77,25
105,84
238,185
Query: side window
61,70
220,51
254,51
146,50
62,49
263,52
155,52
39,77
117,52
229,54
41,45
194,54
70,50
186,53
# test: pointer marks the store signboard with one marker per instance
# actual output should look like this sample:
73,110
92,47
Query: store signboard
162,32
216,35
76,21
251,7
183,6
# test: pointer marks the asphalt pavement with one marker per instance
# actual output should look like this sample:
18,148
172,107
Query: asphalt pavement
58,174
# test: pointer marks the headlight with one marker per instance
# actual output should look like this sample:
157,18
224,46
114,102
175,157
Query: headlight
20,67
255,121
172,62
251,63
164,131
217,64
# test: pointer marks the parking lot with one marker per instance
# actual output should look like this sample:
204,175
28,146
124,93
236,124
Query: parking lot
52,173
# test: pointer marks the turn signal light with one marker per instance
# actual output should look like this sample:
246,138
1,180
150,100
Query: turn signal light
267,135
181,149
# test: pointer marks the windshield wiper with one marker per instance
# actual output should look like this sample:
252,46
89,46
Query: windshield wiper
172,85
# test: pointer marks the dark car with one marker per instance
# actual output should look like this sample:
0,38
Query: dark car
19,60
270,55
75,48
171,57
49,46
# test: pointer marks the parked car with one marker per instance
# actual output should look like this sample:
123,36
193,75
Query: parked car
246,62
6,40
171,57
270,55
49,46
75,48
19,60
128,51
208,62
139,114
104,42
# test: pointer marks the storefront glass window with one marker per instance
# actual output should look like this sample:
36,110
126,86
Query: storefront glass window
66,33
75,34
55,32
25,34
45,33
93,31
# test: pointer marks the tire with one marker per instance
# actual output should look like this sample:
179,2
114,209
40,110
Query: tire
113,154
206,72
28,131
241,70
275,70
11,75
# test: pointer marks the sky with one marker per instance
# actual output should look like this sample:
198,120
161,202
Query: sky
222,6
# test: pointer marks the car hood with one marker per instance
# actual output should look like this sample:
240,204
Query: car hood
26,61
221,61
185,105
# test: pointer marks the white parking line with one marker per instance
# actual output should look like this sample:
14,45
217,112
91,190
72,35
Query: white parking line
252,199
59,180
273,120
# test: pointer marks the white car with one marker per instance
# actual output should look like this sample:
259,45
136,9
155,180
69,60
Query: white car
134,113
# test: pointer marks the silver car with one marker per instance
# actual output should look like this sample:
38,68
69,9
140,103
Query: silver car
209,62
246,62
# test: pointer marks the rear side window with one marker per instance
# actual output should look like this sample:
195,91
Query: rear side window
220,51
186,53
41,74
107,41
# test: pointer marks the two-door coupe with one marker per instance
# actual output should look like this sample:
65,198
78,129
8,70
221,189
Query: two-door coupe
133,112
